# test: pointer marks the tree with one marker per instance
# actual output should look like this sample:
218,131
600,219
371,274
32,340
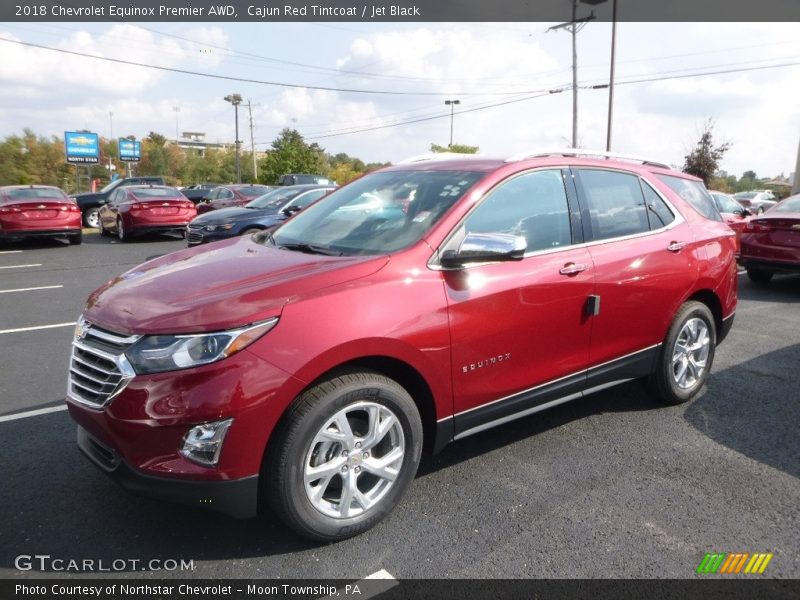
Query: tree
457,148
291,154
703,160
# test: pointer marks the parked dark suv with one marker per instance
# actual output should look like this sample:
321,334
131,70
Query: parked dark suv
91,202
415,306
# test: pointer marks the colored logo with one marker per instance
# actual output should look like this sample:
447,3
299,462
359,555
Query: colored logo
723,563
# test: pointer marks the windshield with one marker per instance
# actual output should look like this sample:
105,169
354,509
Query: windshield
35,194
251,191
155,193
745,195
377,214
111,186
273,199
789,205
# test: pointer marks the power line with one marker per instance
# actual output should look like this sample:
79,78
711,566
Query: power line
493,105
243,79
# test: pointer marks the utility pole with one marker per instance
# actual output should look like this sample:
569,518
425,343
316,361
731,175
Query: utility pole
252,141
574,26
611,73
796,183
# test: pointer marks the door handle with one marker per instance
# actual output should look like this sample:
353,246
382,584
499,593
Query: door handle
676,246
572,269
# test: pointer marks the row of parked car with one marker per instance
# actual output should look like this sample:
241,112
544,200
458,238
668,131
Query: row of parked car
768,230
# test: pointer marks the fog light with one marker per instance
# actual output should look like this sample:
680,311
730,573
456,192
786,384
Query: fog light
203,443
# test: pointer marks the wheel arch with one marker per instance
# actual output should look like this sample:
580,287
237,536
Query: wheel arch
712,301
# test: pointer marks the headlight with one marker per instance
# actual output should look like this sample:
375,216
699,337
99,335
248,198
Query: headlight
158,353
224,227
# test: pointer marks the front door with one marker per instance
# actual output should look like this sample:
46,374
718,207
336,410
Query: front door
520,330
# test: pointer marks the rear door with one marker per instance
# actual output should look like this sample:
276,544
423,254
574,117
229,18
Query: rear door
520,329
643,255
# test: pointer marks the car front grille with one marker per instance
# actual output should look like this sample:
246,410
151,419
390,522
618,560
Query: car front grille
98,369
194,234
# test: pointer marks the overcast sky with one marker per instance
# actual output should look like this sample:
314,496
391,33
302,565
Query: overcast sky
758,109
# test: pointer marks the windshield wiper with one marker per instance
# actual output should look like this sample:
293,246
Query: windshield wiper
311,249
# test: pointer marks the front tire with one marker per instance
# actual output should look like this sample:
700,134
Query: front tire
91,217
121,233
759,276
686,356
343,456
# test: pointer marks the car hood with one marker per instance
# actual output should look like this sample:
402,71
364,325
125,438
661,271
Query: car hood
218,287
226,215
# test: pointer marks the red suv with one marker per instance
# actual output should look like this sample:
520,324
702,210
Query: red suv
307,368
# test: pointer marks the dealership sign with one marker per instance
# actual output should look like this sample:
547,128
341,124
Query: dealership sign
130,150
82,147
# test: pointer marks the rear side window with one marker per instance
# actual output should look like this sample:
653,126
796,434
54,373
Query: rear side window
615,203
695,193
533,205
657,210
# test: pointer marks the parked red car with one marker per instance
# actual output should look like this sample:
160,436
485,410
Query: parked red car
771,242
735,215
229,196
309,367
38,211
139,209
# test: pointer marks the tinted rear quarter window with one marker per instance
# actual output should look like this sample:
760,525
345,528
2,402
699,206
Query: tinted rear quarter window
657,210
695,193
615,203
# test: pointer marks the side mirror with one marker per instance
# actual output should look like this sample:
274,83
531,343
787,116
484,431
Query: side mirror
291,210
485,247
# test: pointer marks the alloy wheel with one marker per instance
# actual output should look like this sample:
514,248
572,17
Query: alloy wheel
690,353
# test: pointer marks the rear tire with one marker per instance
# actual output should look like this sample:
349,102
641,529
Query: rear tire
360,434
686,356
91,217
759,276
76,240
250,231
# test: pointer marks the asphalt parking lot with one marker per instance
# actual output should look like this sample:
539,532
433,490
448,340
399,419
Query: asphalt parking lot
614,485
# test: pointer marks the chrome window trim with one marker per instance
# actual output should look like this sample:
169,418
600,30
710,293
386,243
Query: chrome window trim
433,262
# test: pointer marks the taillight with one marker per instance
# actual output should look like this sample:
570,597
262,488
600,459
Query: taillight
10,209
137,206
753,226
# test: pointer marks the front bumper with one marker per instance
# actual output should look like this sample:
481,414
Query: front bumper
237,498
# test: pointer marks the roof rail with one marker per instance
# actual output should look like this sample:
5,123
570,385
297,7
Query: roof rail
431,156
587,153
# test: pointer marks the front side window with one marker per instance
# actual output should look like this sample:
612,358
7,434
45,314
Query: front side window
533,205
615,203
373,215
695,193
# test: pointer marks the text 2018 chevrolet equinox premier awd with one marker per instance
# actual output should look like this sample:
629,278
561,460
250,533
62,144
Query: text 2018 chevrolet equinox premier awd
420,304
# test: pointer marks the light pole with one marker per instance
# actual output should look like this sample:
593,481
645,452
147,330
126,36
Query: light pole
236,100
111,138
177,110
574,26
452,105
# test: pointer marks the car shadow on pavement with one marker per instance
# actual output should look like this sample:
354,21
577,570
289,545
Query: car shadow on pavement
750,411
56,502
628,397
782,288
